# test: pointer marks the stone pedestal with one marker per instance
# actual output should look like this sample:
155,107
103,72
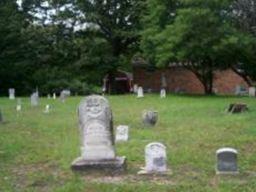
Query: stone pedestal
115,165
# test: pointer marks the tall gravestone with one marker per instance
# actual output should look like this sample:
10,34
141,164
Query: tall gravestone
11,93
54,96
34,99
155,159
64,94
135,88
226,161
140,92
97,139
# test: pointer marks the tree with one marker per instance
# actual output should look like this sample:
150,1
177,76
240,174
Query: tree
12,23
201,38
117,23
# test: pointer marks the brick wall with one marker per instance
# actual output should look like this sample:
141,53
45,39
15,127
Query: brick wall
182,80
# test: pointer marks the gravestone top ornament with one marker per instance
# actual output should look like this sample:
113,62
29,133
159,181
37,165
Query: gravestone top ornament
155,159
226,161
97,139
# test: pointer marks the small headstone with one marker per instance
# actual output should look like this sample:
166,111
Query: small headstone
47,109
163,93
252,91
96,128
11,93
122,133
155,159
34,98
237,108
54,96
18,107
140,92
226,161
49,96
135,88
149,117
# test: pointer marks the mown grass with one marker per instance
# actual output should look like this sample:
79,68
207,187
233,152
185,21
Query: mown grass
36,149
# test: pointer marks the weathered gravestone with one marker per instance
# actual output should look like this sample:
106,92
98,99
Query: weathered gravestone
163,93
11,93
140,92
226,161
155,159
237,108
34,99
96,127
252,91
149,118
64,94
49,96
122,133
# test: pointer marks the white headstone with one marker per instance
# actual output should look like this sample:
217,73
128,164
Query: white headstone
122,133
54,96
135,88
11,93
155,159
252,91
226,161
47,109
64,94
163,93
18,107
96,128
140,92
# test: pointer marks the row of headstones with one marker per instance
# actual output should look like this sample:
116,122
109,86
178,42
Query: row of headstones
140,92
98,146
35,96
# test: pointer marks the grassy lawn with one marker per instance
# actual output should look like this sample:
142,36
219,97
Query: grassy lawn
36,149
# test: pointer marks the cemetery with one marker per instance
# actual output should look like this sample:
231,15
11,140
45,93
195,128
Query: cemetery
192,145
127,96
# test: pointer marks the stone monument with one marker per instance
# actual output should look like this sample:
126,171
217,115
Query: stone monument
226,161
155,159
149,117
122,133
47,109
18,106
54,96
97,139
11,93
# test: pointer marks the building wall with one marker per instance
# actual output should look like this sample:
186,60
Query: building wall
182,80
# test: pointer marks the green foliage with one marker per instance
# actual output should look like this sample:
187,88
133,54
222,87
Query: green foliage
200,35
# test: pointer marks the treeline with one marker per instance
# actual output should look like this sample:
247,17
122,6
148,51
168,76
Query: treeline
55,45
